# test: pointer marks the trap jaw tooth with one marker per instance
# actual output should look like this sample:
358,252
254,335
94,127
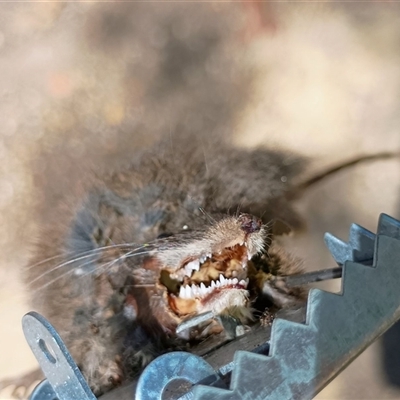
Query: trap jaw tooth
329,317
359,248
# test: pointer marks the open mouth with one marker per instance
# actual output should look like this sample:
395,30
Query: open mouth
208,270
203,283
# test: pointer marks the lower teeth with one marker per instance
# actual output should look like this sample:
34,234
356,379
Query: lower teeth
188,292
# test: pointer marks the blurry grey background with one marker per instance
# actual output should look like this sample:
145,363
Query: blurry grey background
84,85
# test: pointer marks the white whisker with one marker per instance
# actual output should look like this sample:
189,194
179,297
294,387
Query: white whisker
69,262
96,250
99,267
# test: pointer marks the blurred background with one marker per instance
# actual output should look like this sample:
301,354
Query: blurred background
85,85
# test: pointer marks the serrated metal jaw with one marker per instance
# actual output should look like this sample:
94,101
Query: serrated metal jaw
304,358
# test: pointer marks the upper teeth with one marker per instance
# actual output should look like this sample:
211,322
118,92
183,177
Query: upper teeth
189,292
192,266
204,258
195,264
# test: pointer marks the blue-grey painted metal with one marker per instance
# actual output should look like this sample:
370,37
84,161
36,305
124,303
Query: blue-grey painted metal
194,321
169,367
360,247
304,358
43,391
57,364
388,226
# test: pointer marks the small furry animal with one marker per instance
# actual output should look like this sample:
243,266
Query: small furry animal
119,266
185,228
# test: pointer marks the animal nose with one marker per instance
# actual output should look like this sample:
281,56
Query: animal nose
250,223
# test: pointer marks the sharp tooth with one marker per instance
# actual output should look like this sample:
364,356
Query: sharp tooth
218,284
182,292
189,293
202,259
188,271
209,255
195,264
213,284
235,281
245,243
247,281
243,283
222,279
249,255
195,290
203,289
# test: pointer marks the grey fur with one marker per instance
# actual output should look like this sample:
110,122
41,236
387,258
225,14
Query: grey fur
164,190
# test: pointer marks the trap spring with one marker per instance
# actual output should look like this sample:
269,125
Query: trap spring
295,362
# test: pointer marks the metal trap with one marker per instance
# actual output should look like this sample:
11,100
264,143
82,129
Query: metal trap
294,359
